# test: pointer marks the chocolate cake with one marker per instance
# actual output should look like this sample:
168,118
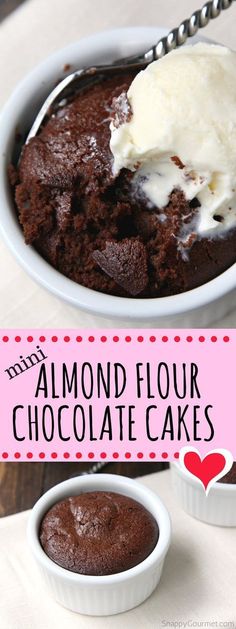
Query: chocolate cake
98,533
96,229
230,477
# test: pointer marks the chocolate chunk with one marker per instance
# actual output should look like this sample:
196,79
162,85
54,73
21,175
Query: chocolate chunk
177,161
126,263
121,110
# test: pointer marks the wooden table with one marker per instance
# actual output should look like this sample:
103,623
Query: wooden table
21,484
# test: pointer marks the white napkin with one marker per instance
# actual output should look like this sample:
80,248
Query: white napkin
197,585
35,30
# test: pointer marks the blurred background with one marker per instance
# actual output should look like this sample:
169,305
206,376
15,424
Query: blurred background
7,6
21,484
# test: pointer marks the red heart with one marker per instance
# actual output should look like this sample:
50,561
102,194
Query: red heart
205,469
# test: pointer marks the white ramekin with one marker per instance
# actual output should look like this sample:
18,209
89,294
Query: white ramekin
110,594
197,307
218,507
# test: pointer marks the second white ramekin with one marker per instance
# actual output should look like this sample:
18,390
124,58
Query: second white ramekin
218,507
110,594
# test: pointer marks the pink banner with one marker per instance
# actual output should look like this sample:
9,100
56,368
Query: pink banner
116,394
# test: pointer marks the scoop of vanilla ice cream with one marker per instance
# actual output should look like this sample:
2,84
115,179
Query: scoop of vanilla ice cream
182,132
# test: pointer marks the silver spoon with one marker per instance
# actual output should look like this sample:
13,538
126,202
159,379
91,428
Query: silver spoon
95,468
175,38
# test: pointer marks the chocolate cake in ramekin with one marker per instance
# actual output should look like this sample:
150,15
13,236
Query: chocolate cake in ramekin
105,510
93,228
131,255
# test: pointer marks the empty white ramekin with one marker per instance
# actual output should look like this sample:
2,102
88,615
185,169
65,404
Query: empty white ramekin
197,307
110,594
218,508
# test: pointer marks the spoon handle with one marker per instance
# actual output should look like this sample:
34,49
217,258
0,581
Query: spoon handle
96,467
178,36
